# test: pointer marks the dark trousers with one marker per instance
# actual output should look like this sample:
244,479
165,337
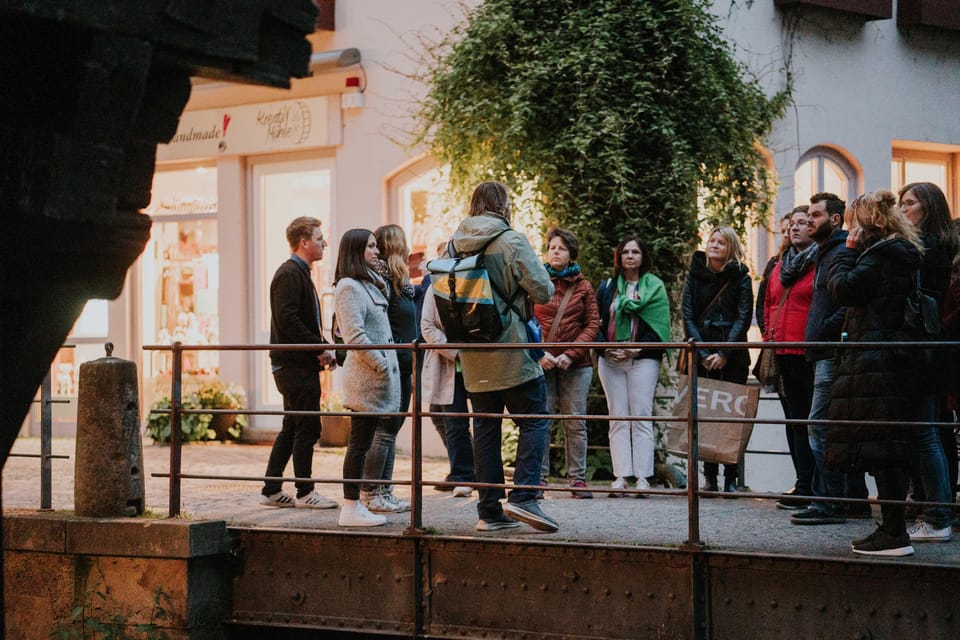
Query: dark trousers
362,429
892,485
300,389
527,398
797,381
456,431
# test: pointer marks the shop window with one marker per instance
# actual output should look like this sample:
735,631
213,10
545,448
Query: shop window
919,165
822,169
180,276
427,213
421,200
282,191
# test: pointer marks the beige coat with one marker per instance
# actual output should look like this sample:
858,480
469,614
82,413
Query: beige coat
439,365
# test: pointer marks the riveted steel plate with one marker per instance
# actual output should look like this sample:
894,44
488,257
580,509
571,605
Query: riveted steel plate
352,582
800,598
495,590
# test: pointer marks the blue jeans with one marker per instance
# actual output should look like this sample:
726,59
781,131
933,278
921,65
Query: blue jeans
300,389
828,483
362,429
378,464
929,462
567,393
529,398
457,433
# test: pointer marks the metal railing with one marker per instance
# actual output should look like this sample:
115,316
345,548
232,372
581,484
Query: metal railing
686,350
46,454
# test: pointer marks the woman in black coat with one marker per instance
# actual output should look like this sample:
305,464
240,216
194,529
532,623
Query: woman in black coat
925,206
718,307
872,278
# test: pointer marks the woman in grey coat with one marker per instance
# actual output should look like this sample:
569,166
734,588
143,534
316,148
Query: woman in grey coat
371,378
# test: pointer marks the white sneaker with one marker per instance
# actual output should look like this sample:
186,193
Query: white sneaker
462,492
279,499
642,485
314,500
354,514
922,532
617,486
385,503
399,505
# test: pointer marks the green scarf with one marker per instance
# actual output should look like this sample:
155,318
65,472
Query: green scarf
651,305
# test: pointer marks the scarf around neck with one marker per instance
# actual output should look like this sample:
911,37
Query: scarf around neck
571,269
795,263
651,305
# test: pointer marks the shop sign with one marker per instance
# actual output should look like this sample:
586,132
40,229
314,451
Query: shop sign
248,129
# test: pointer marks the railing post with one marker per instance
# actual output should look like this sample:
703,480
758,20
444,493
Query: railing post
176,419
416,450
693,455
46,434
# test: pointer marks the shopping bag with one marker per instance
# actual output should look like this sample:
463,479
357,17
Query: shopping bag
718,442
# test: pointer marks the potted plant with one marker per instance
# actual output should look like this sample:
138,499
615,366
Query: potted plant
336,429
197,427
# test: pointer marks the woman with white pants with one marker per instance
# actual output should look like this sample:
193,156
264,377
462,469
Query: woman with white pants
633,308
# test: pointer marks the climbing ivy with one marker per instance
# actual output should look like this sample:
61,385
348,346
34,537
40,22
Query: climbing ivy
617,115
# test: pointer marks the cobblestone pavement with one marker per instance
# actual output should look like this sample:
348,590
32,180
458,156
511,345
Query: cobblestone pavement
748,524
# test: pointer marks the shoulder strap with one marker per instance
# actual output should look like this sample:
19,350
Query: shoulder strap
713,301
556,319
786,290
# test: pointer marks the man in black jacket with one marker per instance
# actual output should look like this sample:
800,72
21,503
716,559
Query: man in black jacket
825,324
295,319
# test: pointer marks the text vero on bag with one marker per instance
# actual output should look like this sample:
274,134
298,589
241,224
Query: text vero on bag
724,442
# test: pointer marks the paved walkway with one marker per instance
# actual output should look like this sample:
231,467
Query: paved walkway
748,524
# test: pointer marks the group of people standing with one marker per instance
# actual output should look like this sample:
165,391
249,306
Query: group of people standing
830,285
825,285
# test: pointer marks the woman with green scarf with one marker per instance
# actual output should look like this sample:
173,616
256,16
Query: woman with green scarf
633,309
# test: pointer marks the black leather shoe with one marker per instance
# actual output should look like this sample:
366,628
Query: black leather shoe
710,485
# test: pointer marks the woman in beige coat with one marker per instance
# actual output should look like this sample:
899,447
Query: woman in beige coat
442,386
371,378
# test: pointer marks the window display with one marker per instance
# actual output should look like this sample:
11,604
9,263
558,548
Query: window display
180,275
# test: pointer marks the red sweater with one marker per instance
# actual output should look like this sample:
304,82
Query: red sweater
791,323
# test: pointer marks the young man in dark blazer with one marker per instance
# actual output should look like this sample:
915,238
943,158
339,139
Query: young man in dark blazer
295,319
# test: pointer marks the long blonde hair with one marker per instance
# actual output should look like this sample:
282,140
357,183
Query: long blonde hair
734,247
877,213
392,243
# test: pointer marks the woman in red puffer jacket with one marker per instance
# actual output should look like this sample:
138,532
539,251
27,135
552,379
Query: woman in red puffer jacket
570,316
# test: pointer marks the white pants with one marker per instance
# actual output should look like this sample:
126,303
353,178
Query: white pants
629,387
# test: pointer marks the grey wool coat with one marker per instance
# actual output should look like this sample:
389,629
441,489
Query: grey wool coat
371,379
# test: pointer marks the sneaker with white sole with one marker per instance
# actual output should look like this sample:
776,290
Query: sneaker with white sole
496,524
314,500
617,486
354,514
399,504
279,499
882,543
378,503
462,492
923,532
529,513
643,485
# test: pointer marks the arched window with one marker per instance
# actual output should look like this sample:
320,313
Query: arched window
824,169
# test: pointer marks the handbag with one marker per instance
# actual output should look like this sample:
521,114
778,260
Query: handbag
767,369
722,442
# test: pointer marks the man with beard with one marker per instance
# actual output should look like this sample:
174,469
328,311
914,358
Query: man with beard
825,324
